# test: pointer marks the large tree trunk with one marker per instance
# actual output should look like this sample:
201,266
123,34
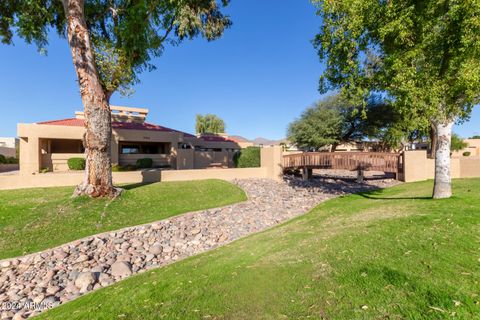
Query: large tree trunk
443,184
334,147
98,172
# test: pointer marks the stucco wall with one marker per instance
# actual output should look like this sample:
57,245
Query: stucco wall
271,169
418,167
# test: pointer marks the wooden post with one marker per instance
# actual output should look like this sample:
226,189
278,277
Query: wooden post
307,173
360,175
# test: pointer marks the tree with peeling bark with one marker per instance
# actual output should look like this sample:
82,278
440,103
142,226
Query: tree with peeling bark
111,41
423,55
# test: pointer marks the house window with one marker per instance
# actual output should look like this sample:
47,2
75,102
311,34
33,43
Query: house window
145,148
129,149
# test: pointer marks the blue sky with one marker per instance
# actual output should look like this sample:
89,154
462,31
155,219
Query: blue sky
258,77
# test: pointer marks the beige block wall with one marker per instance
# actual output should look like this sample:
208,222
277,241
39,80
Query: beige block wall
185,159
417,167
272,159
469,167
271,169
58,161
223,174
473,148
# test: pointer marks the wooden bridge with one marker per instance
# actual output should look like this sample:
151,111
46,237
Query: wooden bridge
360,161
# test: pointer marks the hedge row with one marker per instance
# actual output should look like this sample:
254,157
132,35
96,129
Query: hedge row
8,160
247,158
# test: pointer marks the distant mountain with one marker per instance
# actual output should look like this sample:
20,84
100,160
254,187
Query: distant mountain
267,142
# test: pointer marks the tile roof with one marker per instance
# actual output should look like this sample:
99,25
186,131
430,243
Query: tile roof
215,138
238,139
73,122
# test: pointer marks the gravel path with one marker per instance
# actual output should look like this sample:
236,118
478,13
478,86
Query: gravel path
46,279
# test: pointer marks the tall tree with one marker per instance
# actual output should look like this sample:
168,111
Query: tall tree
458,143
335,120
423,54
110,41
209,123
318,126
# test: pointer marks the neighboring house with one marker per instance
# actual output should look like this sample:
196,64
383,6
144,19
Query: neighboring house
473,147
241,141
50,144
8,146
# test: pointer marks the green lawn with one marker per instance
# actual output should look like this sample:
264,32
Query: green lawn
35,219
392,254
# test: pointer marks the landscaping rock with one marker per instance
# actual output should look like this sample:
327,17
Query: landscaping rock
121,269
156,248
64,273
85,281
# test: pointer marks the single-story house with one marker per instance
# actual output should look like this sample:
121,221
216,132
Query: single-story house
49,144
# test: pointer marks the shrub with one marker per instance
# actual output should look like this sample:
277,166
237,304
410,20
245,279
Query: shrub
76,164
3,159
247,158
144,163
467,154
11,160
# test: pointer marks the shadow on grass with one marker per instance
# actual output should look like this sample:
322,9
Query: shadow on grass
136,185
378,197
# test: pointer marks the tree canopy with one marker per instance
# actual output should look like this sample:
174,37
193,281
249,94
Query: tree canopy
337,120
458,143
126,35
423,54
209,123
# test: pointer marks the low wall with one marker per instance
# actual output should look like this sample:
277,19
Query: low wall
58,161
150,176
270,169
417,167
223,174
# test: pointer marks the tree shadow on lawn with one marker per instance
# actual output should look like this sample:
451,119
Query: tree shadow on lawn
331,185
135,185
378,195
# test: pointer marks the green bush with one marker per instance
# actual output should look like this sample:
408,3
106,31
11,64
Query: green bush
76,164
467,154
144,163
12,160
8,160
247,158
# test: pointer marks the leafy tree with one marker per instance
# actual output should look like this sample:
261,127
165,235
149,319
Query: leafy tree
111,41
457,143
335,120
209,123
318,126
475,137
423,54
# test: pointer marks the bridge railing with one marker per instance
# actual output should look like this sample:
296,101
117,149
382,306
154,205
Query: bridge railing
368,161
